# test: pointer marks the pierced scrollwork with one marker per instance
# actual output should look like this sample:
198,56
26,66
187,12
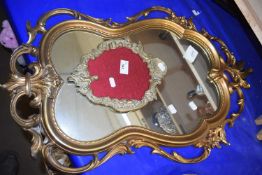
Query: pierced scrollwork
82,79
49,152
237,74
40,82
32,124
41,25
213,139
37,141
44,82
188,24
123,148
173,156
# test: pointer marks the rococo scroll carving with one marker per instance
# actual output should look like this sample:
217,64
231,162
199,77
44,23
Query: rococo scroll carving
82,78
237,73
44,80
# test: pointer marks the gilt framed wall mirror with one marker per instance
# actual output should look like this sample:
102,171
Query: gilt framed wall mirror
103,87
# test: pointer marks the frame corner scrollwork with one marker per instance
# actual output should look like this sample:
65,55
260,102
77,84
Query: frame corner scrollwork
44,80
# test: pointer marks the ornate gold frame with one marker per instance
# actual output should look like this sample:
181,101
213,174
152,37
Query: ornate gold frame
44,84
82,79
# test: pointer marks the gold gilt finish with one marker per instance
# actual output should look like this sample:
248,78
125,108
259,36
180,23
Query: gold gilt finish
44,84
82,78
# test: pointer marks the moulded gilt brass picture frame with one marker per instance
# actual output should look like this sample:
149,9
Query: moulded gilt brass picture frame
82,78
226,74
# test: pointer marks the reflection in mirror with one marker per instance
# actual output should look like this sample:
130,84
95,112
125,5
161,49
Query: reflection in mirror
185,96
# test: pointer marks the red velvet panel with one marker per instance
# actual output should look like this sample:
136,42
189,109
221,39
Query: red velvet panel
129,87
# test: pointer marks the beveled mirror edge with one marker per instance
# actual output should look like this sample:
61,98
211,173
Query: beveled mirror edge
209,135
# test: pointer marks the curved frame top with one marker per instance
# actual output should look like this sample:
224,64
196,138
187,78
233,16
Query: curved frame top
44,85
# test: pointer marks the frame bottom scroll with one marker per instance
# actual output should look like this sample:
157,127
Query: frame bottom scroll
43,83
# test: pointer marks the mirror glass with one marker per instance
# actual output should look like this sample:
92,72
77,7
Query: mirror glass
184,98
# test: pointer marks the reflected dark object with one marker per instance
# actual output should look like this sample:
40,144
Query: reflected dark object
205,111
74,125
164,120
198,91
154,120
163,35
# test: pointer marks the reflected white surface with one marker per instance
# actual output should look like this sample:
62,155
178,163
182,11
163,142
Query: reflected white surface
82,120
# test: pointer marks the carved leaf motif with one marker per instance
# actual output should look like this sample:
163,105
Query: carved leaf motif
237,74
213,139
45,79
82,78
